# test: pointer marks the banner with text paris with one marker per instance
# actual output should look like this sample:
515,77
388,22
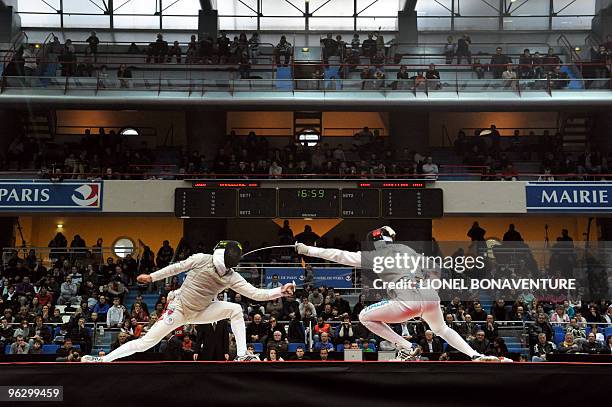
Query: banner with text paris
336,277
51,196
562,196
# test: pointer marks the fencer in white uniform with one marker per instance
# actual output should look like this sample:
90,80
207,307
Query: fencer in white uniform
207,276
406,304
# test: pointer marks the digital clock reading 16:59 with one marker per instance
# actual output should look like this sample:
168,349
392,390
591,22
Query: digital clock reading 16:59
308,203
310,193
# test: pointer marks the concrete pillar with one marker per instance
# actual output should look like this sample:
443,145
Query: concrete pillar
407,26
602,22
10,23
206,131
208,23
409,130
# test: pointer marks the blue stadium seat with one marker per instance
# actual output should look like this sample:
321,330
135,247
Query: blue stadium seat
294,345
7,349
340,348
608,331
257,346
50,349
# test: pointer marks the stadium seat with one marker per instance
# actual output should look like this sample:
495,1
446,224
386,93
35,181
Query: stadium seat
7,349
257,347
340,348
50,349
294,345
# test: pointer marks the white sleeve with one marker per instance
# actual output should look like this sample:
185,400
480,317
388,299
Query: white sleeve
177,268
244,288
337,256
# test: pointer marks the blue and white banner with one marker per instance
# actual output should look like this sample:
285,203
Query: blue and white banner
81,196
336,277
569,196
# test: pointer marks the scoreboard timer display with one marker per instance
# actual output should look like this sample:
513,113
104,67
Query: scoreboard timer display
381,202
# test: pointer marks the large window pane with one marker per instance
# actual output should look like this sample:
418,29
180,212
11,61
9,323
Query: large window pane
181,7
525,23
182,23
237,23
282,23
39,6
144,22
530,8
381,8
282,8
476,23
431,8
344,23
92,21
340,8
468,8
235,8
82,6
40,20
434,24
576,8
375,24
572,23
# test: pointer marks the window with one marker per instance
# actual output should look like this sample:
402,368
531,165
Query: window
123,246
309,137
129,132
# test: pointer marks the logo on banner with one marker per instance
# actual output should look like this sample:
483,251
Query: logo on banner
86,195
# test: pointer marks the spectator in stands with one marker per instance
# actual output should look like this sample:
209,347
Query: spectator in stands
20,346
433,77
36,348
164,255
540,326
244,66
509,75
368,48
80,335
121,339
274,283
68,292
479,68
68,59
256,330
463,49
160,49
551,60
277,342
430,343
40,332
101,308
499,63
6,334
499,311
284,49
308,237
568,345
254,43
593,316
124,75
139,313
430,169
330,47
449,50
93,42
324,354
512,235
324,343
608,345
559,317
608,315
115,314
480,344
345,331
476,233
30,66
285,234
526,65
44,297
275,171
321,328
490,328
592,346
175,51
307,305
542,348
299,354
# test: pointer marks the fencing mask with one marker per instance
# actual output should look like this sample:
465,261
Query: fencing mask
226,255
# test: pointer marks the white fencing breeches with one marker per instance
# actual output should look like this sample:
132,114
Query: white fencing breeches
174,317
376,317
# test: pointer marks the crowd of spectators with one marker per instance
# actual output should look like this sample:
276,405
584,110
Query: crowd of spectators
367,156
81,290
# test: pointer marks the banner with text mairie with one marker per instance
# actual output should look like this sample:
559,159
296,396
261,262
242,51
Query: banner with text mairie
566,196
